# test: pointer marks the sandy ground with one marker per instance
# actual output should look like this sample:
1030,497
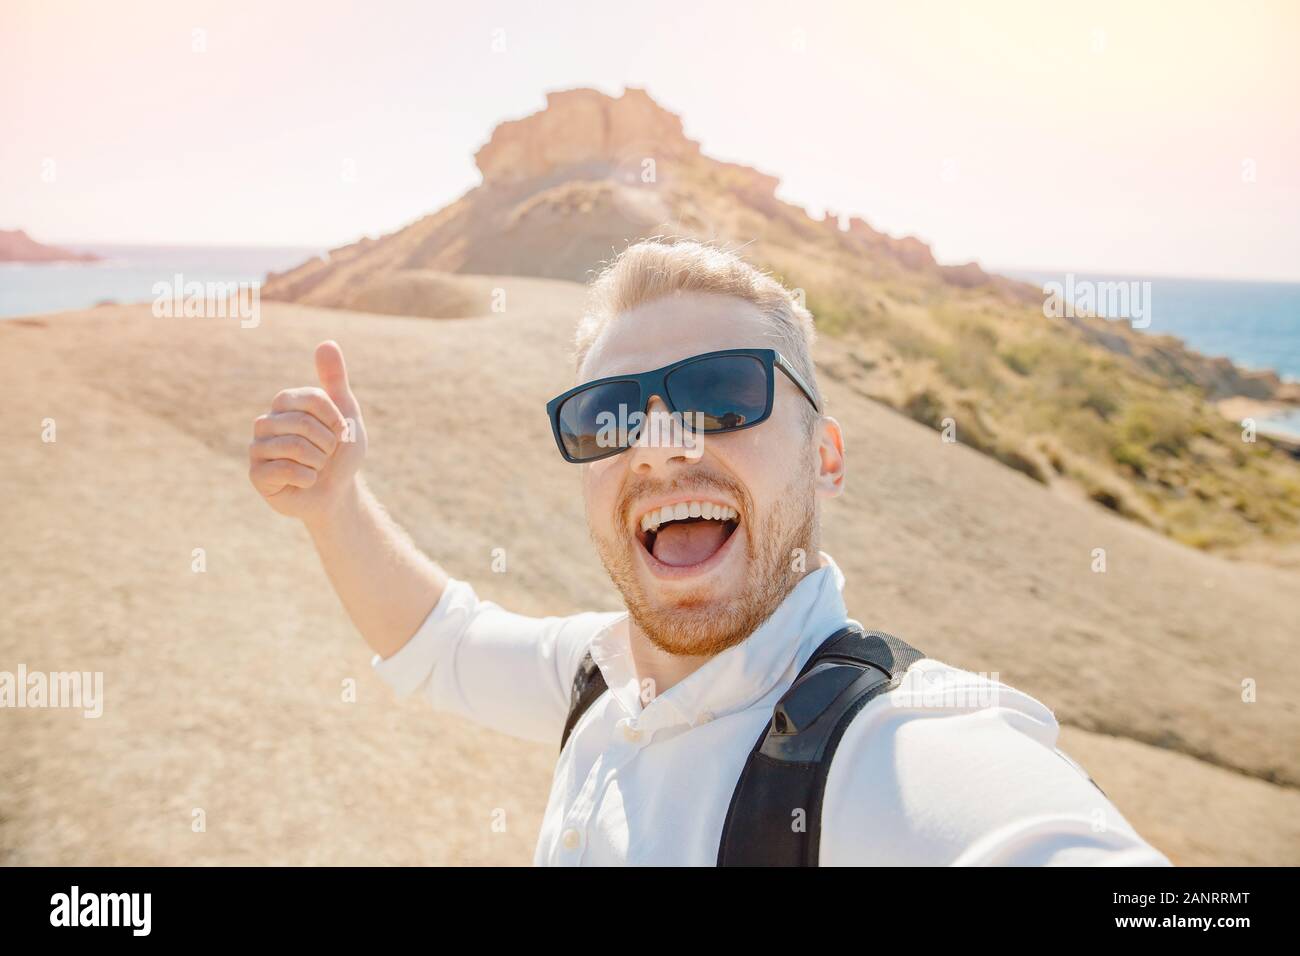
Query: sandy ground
225,690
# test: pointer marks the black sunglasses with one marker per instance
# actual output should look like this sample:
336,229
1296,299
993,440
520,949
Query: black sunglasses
724,391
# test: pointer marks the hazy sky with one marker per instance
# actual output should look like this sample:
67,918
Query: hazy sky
1149,137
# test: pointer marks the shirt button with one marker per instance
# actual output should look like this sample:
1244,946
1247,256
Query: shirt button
631,734
706,716
571,839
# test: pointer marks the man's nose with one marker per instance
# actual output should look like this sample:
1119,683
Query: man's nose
662,442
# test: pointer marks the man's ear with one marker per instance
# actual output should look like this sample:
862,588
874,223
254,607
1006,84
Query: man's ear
830,457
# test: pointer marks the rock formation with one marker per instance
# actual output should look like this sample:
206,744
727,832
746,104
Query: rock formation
17,246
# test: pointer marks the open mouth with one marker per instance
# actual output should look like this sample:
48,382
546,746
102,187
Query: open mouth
686,533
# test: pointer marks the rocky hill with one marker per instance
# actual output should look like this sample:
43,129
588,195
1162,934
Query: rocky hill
1086,404
224,686
566,188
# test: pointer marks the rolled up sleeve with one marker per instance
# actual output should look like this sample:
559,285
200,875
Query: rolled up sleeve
505,671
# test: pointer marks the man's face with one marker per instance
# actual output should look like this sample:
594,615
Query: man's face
700,585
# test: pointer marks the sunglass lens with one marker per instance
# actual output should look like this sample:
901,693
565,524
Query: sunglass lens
728,390
593,422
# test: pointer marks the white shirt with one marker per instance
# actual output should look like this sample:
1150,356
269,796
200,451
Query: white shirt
949,768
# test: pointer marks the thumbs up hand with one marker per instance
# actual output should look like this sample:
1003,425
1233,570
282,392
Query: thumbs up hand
307,449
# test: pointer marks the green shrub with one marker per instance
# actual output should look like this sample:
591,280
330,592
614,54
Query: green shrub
1134,456
925,407
1156,426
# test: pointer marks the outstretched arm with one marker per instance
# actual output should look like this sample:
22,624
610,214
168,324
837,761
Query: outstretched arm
304,460
954,768
431,634
385,582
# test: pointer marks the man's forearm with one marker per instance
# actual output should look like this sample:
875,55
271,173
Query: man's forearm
386,584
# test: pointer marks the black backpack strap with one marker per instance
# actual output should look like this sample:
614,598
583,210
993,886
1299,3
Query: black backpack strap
588,685
775,813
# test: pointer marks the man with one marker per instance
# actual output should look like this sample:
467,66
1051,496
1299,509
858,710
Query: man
710,533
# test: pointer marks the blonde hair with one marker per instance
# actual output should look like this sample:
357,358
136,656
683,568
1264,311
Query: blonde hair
657,268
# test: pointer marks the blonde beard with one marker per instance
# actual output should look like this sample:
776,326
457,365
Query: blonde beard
695,625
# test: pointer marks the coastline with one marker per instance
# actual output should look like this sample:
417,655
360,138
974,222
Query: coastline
1272,418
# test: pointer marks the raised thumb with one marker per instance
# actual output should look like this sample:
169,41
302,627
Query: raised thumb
333,375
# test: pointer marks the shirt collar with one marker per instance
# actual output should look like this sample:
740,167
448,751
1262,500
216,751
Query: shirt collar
740,676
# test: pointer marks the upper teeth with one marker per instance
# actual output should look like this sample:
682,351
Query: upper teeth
651,520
